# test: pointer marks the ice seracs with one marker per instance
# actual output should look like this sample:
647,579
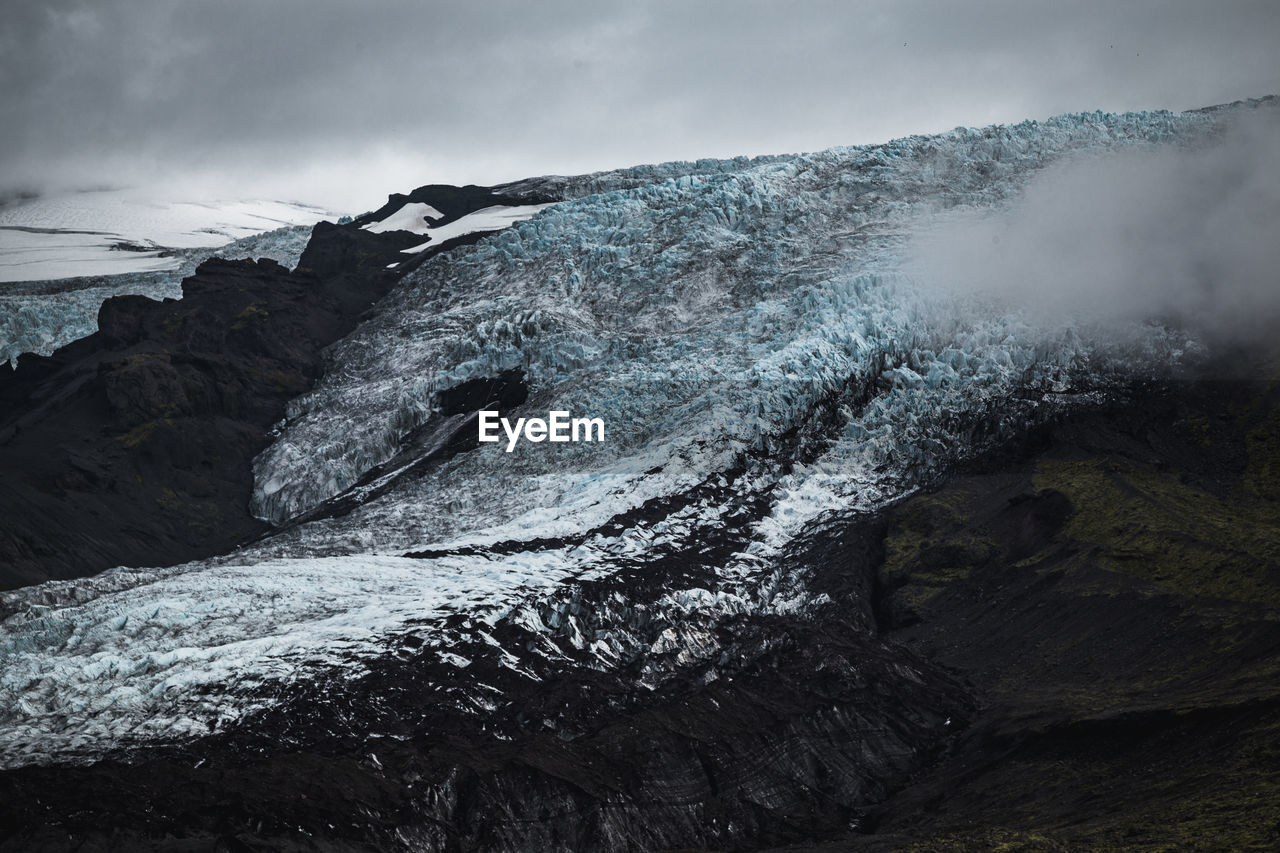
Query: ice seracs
712,305
135,654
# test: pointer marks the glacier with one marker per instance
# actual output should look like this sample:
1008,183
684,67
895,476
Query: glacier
717,302
766,368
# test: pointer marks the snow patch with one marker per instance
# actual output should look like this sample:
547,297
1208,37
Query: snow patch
413,217
486,219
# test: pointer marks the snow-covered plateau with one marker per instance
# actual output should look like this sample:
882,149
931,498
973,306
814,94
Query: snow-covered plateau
750,332
40,316
116,231
62,255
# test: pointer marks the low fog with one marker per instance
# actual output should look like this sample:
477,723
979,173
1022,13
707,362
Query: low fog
1181,235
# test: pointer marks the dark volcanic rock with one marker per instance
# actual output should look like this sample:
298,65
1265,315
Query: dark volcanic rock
1113,596
453,202
133,446
504,391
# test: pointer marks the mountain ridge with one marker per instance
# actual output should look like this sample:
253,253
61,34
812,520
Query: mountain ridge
863,568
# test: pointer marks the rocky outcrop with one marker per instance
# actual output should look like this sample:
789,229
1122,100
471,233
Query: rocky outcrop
132,446
455,202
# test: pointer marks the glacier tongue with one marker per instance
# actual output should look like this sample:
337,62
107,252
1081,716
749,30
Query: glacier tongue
764,368
137,655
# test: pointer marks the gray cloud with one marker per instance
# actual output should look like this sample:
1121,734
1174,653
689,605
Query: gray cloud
1181,234
344,102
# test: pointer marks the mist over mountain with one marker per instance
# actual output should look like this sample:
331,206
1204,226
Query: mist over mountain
1184,234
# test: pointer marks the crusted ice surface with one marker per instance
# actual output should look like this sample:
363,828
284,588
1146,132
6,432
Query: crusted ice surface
698,315
41,316
134,655
763,366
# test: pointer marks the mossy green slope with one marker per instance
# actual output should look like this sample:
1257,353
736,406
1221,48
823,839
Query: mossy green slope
1111,591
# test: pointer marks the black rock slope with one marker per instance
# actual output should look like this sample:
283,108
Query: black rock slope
132,446
1113,600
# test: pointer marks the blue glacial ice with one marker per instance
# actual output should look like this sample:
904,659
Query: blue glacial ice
701,313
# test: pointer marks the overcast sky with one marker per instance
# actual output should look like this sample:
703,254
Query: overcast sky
341,103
